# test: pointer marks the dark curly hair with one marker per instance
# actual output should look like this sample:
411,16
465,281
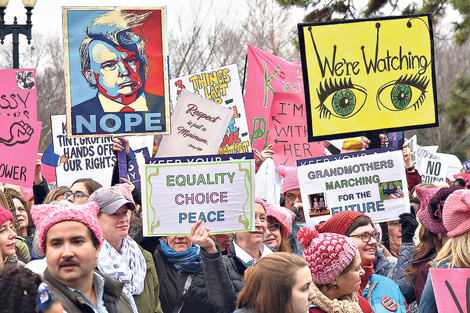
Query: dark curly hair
18,289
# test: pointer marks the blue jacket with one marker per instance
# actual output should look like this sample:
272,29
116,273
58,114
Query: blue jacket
380,287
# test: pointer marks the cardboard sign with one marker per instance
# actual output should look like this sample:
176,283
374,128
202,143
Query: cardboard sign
19,141
222,86
288,130
197,127
18,93
90,157
433,170
373,184
452,289
368,76
176,194
265,75
116,71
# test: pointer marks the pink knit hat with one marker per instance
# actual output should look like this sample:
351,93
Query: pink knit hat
425,195
291,178
283,216
262,202
47,215
327,254
456,213
5,215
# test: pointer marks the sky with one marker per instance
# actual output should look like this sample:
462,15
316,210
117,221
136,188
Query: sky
47,14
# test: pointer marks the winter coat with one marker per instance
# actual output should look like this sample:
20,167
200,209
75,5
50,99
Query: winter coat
216,290
379,289
114,298
148,301
174,281
427,303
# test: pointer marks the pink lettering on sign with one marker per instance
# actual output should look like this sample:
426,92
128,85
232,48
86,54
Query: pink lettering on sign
288,130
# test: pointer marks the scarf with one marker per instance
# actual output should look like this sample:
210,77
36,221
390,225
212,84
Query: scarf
188,261
369,269
346,304
128,267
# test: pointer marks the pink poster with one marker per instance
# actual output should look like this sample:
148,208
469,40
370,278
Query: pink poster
47,171
19,141
288,130
451,286
18,95
265,75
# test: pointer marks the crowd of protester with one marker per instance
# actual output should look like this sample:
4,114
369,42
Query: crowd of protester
81,249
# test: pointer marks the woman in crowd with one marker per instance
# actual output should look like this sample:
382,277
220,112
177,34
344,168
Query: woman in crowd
222,280
278,283
23,214
177,260
7,237
454,254
120,256
56,194
432,236
279,228
81,190
374,288
335,264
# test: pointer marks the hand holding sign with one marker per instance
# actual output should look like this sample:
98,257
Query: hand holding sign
20,132
200,236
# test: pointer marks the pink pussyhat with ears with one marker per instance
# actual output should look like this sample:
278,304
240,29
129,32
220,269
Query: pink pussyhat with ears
290,176
47,215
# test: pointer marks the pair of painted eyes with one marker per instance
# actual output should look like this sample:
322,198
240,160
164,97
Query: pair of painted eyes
344,99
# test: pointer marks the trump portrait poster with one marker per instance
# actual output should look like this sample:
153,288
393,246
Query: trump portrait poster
116,71
368,76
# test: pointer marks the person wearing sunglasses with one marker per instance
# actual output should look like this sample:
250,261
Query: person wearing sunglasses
279,228
81,190
382,293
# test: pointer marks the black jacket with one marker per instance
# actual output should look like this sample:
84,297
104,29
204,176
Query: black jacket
114,299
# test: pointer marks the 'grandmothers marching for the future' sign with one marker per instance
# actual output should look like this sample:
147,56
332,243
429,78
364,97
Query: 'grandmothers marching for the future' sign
371,184
369,75
178,193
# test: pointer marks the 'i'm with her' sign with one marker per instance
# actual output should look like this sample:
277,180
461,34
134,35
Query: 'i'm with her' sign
368,75
177,192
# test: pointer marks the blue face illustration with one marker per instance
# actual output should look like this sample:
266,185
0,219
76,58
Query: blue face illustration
115,72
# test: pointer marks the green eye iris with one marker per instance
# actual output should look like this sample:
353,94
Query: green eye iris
343,102
401,96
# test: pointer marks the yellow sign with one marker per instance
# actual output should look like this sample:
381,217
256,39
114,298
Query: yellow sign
368,75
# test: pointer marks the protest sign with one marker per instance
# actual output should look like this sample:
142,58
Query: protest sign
265,75
197,127
139,142
368,76
176,194
19,141
116,71
433,170
75,158
373,184
452,289
47,171
222,86
288,130
466,165
18,93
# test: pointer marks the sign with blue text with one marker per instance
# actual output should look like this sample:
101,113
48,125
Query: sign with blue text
373,184
178,193
116,71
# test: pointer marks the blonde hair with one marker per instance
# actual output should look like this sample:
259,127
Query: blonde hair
455,251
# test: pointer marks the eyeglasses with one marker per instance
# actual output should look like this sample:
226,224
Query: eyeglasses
273,227
366,237
394,224
291,196
76,195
